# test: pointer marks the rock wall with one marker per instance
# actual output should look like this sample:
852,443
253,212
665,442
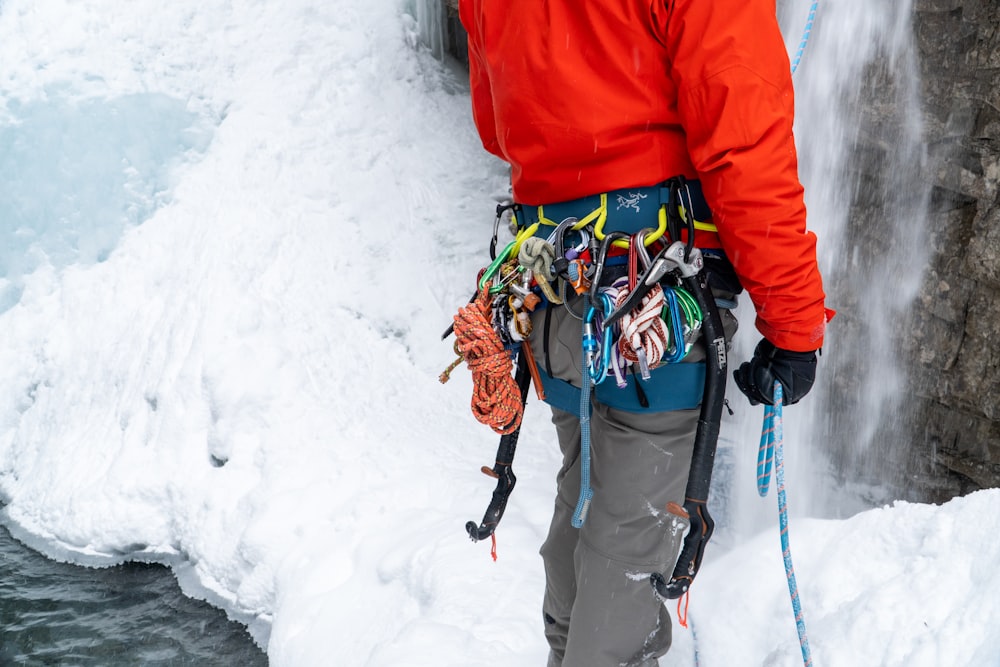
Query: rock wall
954,340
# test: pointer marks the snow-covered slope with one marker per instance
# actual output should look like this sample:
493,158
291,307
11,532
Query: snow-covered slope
233,233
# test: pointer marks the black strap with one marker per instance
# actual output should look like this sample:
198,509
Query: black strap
546,326
640,393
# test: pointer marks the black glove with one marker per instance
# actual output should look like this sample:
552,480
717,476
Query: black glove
795,370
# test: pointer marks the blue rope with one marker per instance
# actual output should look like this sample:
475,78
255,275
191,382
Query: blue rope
586,493
772,440
805,36
765,454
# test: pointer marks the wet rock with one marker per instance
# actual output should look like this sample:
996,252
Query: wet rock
955,372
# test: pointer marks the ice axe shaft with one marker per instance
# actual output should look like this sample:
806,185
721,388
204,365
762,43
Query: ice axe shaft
706,439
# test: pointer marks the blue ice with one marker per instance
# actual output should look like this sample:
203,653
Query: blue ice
74,175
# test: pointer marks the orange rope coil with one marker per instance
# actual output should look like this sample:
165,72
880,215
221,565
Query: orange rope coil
496,400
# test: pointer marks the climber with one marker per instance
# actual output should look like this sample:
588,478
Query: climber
603,110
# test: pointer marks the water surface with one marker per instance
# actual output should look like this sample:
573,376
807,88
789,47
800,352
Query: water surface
133,614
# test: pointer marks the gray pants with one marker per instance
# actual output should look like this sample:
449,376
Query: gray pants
599,607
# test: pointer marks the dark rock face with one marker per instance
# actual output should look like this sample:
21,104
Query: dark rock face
953,342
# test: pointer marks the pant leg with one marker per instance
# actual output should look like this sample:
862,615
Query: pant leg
639,464
599,606
559,352
560,545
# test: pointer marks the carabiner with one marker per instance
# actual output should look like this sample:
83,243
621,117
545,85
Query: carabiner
637,254
602,255
592,345
581,247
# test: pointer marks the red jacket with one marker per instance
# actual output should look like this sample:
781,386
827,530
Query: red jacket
585,97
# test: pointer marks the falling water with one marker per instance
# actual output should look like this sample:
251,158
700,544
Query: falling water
862,161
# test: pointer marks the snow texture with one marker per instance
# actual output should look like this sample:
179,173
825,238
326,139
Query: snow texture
232,234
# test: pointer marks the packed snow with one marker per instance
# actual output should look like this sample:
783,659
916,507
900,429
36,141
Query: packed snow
232,236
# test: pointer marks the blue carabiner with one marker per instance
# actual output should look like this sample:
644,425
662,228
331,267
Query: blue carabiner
593,347
676,328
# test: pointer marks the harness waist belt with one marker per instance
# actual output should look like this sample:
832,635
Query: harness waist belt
670,387
628,210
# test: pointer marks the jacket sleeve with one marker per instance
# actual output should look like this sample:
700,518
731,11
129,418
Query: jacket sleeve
735,100
479,82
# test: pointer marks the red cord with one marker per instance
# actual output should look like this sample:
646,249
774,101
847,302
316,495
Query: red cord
682,612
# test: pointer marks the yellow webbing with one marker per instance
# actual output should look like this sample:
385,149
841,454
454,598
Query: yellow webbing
600,214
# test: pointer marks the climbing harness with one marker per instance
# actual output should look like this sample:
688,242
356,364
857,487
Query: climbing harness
643,298
772,450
